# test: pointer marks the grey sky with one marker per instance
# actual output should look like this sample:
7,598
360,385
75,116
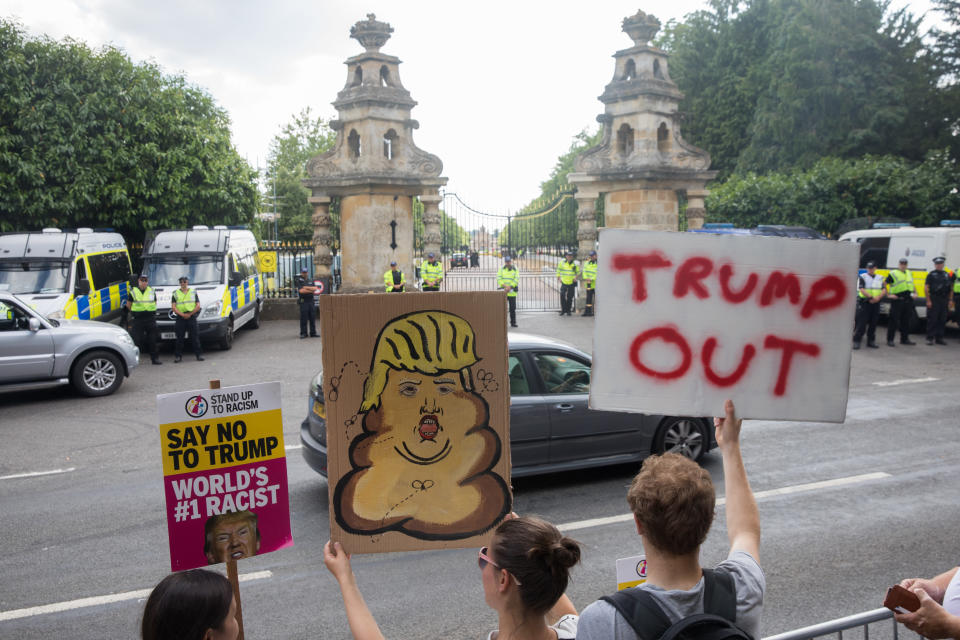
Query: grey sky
502,86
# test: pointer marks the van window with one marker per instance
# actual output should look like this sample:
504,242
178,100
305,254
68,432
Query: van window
874,249
107,268
35,276
81,271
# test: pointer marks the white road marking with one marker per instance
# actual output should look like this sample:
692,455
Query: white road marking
897,383
759,495
34,474
293,446
94,601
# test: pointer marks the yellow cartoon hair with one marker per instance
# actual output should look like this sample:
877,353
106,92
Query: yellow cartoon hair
429,342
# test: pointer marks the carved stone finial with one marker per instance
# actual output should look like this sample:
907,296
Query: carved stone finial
641,27
371,33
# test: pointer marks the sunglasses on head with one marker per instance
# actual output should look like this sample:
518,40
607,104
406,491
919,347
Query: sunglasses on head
483,560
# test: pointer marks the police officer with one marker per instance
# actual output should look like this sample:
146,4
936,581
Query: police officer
186,305
590,282
394,279
956,295
308,313
567,272
432,273
900,288
939,292
508,279
869,294
142,304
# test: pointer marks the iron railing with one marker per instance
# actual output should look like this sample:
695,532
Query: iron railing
838,626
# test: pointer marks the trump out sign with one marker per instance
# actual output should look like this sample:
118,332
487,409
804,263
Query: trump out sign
687,320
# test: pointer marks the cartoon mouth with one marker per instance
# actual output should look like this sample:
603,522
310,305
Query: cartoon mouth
236,555
429,427
410,456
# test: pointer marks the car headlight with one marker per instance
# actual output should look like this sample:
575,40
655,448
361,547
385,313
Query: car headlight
124,337
211,310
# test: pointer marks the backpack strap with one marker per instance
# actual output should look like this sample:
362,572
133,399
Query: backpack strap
648,620
641,611
719,594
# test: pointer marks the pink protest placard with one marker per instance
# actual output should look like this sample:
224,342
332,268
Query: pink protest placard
686,320
225,474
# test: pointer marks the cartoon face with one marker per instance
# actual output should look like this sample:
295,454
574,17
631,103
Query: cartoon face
428,414
232,540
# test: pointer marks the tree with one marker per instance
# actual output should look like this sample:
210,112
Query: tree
90,139
304,137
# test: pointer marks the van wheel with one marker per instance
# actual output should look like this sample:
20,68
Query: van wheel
686,436
98,373
227,340
255,323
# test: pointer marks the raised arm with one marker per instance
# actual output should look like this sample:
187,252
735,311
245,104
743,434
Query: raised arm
743,518
362,624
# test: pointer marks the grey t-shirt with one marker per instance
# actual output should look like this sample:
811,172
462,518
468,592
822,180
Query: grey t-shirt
600,620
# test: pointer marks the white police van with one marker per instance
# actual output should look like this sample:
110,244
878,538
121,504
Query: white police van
67,275
221,264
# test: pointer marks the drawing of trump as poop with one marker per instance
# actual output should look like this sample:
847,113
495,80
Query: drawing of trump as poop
422,464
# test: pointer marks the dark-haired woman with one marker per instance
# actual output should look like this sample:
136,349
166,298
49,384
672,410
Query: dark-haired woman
191,605
524,573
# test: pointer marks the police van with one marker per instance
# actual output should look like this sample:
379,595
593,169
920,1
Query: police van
67,275
221,264
919,245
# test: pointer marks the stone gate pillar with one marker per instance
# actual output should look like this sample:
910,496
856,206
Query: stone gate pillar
322,258
696,210
432,235
586,225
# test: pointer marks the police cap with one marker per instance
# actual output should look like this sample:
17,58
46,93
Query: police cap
871,265
393,263
507,258
304,270
184,279
143,276
903,261
593,253
939,260
431,255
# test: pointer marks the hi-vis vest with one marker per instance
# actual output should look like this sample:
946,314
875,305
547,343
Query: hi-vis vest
388,279
432,271
956,283
902,281
590,274
510,277
872,286
186,300
145,300
567,271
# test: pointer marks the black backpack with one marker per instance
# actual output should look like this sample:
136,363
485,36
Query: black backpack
649,621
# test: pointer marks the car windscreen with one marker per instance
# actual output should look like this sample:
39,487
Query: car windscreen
166,272
35,276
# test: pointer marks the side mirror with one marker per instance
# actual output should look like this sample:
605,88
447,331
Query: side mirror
33,324
235,279
82,288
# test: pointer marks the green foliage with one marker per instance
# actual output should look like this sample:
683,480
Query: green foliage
834,190
90,139
773,84
300,140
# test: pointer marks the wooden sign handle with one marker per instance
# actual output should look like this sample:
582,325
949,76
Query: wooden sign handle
232,574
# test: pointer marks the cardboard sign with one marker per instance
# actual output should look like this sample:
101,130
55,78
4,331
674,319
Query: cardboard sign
686,320
225,473
631,571
417,408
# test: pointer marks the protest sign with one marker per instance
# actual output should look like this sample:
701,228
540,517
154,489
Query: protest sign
686,320
225,473
417,411
631,571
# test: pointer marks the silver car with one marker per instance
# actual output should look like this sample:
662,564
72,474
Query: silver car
38,352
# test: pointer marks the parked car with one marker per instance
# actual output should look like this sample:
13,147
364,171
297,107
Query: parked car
459,260
551,428
38,352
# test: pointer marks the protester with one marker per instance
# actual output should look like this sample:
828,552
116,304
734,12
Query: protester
673,500
191,605
524,573
939,612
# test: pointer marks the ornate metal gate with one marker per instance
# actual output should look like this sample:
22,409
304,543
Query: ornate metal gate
474,243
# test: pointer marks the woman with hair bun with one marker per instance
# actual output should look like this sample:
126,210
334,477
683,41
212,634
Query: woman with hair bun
524,573
191,605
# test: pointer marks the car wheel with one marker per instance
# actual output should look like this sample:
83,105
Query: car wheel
686,436
98,373
255,323
227,340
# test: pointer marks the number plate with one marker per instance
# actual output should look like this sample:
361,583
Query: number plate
168,335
